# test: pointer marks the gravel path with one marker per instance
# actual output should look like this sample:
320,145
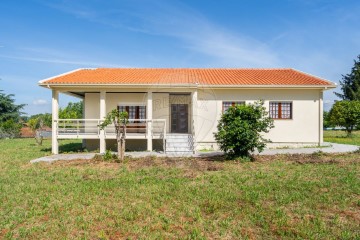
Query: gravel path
333,148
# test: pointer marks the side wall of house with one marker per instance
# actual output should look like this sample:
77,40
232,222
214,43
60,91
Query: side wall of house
303,128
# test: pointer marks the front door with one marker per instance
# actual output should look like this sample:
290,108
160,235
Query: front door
179,118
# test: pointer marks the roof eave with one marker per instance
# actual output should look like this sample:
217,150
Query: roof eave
47,85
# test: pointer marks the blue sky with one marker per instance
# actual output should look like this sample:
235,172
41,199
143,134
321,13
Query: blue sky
43,38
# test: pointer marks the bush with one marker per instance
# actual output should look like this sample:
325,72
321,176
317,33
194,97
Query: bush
10,129
240,129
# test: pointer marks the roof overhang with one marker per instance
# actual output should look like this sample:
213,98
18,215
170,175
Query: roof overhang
149,86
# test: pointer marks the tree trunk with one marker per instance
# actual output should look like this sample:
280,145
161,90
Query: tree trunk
118,139
38,137
123,136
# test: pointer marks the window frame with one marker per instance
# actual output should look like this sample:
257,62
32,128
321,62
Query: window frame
137,111
233,104
280,110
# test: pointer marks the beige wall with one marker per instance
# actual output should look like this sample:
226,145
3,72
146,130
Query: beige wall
161,108
92,105
303,128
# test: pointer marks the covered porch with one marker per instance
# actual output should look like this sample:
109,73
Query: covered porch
153,115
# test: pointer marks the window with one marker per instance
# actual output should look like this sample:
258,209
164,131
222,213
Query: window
135,112
227,105
281,110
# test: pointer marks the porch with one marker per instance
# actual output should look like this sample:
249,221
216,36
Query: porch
159,115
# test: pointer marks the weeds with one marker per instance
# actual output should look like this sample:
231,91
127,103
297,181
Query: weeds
270,197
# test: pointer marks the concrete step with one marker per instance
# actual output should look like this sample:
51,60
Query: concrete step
179,136
179,149
179,154
179,144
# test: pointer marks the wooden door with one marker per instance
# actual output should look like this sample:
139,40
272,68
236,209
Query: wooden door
179,118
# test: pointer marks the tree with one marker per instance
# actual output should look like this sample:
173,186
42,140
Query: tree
346,114
37,123
45,117
326,120
350,85
8,108
72,111
9,116
240,129
119,119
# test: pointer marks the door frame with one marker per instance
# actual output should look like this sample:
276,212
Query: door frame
187,118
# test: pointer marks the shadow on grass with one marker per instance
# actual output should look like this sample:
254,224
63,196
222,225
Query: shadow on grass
67,148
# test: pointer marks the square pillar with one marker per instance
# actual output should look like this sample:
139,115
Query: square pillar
102,117
149,111
194,114
55,116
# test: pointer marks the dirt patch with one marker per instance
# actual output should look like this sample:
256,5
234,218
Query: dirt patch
193,166
190,166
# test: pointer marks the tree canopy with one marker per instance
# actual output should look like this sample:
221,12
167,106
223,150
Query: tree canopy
8,109
346,114
72,111
9,116
350,84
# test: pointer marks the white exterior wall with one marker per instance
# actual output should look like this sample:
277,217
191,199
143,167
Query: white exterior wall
92,105
161,108
304,127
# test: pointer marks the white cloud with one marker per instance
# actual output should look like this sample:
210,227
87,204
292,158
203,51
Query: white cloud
61,61
40,102
184,23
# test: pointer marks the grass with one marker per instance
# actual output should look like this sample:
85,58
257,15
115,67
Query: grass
340,137
305,197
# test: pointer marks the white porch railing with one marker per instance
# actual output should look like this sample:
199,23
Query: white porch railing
89,128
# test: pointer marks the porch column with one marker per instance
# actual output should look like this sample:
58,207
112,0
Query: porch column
194,106
102,116
55,116
149,111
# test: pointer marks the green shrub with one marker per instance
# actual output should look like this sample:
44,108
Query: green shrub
10,129
240,129
108,156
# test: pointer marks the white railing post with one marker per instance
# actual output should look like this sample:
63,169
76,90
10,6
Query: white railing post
164,137
77,128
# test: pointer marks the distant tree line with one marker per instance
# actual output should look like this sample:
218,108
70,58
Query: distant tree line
12,118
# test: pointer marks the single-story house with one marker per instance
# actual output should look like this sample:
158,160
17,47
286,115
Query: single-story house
177,109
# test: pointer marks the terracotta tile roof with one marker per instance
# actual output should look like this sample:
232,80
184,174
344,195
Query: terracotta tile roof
186,76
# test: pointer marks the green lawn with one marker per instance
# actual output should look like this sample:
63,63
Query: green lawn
304,197
340,137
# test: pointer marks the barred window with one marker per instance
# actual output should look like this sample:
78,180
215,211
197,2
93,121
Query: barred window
135,112
132,112
280,110
227,105
142,112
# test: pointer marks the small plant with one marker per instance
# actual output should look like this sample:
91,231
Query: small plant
119,119
108,156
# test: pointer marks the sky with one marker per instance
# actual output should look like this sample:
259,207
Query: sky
44,38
